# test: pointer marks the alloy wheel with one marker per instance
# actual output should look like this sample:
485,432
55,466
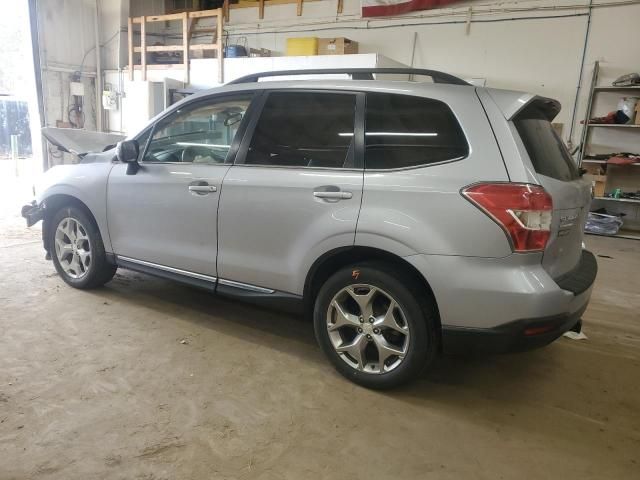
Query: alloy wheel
368,329
73,248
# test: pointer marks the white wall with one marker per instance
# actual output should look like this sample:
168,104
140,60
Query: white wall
67,39
508,43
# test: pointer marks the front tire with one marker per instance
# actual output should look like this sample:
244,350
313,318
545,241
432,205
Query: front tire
77,250
376,325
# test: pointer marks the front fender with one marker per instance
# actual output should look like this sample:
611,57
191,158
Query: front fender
86,183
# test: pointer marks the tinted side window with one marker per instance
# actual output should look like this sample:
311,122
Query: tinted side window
405,131
304,129
548,154
200,135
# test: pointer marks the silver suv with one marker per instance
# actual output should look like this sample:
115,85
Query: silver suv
408,218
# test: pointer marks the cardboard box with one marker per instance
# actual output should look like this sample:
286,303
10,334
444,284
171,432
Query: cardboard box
593,168
598,183
637,120
337,46
302,46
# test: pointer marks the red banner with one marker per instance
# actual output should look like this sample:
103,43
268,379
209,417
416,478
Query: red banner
383,8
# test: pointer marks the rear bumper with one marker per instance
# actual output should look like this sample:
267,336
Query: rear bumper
517,336
504,304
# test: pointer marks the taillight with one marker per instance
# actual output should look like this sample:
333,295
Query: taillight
522,210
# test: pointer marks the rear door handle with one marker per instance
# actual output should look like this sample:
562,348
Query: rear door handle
202,188
333,195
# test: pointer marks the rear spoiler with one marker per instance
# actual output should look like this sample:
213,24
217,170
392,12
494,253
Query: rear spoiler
511,103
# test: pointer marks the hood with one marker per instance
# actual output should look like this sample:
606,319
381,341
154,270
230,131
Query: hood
80,142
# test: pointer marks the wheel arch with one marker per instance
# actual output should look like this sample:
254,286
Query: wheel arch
337,258
52,204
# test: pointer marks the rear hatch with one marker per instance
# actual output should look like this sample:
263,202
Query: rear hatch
556,171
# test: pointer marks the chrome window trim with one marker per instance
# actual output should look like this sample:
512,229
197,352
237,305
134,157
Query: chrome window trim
288,167
206,164
413,167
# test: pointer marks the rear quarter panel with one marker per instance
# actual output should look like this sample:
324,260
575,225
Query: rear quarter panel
421,211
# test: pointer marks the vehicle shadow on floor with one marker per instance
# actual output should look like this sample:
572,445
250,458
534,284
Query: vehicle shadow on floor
293,334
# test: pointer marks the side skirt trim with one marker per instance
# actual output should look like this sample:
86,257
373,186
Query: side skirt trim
178,271
228,288
195,279
244,286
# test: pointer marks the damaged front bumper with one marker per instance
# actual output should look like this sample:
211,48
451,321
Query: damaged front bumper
32,213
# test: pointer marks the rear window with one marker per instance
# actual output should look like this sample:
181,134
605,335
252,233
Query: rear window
546,150
404,131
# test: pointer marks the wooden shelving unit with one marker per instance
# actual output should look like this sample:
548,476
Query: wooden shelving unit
627,176
188,22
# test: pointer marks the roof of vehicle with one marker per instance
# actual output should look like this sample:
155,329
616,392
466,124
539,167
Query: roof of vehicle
443,84
357,74
400,86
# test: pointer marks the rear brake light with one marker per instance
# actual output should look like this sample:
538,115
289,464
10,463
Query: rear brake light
522,210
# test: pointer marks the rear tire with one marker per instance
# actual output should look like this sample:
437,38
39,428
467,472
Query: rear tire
376,325
77,250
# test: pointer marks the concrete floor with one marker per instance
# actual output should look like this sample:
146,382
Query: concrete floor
147,379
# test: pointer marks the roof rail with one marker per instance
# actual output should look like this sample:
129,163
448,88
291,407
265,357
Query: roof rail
356,74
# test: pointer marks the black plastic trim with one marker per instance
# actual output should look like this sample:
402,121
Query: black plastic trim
273,299
156,272
509,337
581,278
277,300
32,213
111,258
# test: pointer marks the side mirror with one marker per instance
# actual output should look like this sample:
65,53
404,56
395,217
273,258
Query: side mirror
127,152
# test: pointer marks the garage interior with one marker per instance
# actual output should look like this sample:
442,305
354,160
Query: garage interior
146,378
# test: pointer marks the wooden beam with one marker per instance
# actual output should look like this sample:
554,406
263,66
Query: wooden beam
268,3
159,18
160,48
225,9
202,30
192,24
143,47
185,46
130,37
299,12
340,6
205,13
205,46
261,10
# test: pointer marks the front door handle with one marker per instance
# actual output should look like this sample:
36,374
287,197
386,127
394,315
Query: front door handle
333,195
202,189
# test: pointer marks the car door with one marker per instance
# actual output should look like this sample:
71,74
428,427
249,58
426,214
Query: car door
294,192
165,215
